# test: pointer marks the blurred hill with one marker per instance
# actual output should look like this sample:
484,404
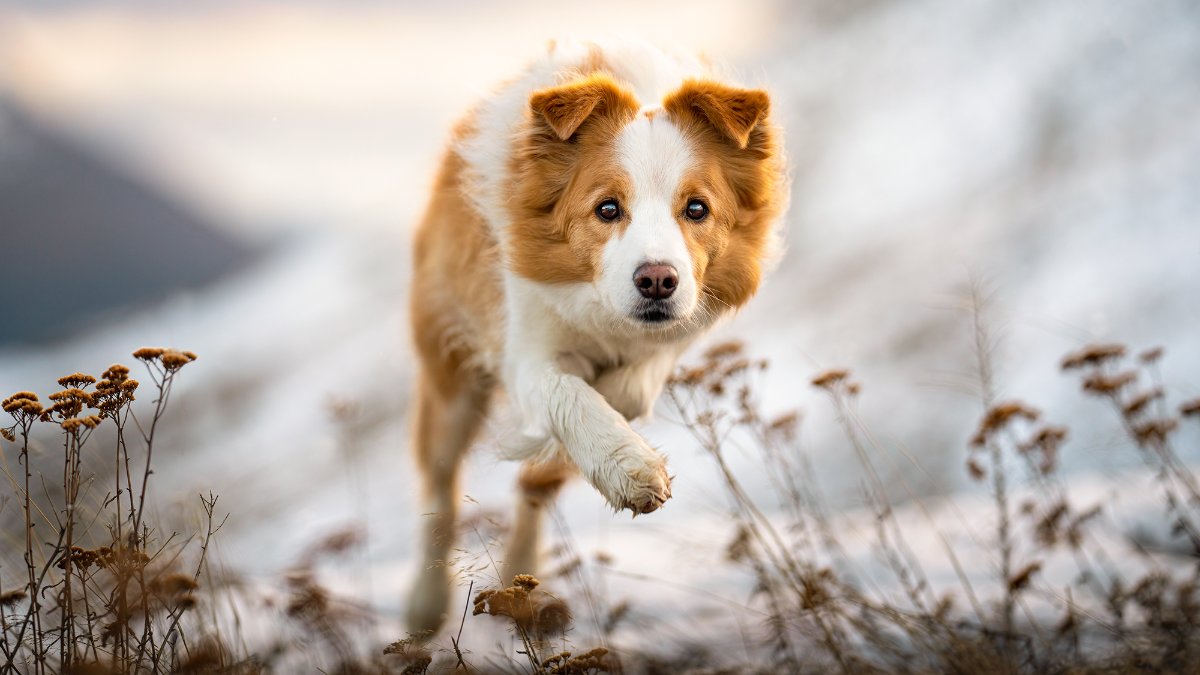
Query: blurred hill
81,239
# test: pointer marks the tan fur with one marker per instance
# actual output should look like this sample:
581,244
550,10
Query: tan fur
740,171
555,238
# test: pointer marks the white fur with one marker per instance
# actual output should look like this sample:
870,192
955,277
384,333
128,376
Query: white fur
655,154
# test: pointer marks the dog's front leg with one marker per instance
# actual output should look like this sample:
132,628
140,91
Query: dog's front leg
611,456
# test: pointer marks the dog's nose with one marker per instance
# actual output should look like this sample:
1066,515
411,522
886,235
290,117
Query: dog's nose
656,280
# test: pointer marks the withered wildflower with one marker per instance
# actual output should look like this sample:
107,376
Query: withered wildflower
1048,526
1141,400
1099,383
830,377
1151,355
23,404
723,350
538,614
1046,443
170,359
588,662
10,598
785,425
1021,579
68,403
1075,529
174,360
115,391
172,584
815,589
999,416
148,353
1154,431
82,559
1092,355
76,380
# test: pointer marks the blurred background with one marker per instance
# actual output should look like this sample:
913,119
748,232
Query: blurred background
240,179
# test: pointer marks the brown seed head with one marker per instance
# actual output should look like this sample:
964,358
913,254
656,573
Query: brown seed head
75,380
999,416
1155,431
1092,355
526,581
829,378
1022,578
174,360
1140,401
1101,384
148,353
10,598
975,469
116,371
723,350
1151,355
1190,408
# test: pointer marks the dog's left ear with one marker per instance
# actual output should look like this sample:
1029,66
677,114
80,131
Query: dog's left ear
733,112
565,108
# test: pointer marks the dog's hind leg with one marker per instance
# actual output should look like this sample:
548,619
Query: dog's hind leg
538,485
448,419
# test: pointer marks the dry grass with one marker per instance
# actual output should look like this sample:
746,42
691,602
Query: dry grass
100,590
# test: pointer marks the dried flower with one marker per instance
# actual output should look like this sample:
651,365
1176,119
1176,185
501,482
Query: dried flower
172,584
174,360
1098,383
723,350
1154,431
1140,401
1092,355
76,380
24,402
829,378
10,598
1021,579
537,613
975,469
999,415
148,353
1151,355
785,425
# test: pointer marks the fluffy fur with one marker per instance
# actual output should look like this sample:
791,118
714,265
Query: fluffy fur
520,284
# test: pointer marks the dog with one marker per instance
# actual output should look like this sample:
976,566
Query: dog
588,222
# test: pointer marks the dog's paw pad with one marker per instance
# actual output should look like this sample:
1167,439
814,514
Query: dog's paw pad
648,488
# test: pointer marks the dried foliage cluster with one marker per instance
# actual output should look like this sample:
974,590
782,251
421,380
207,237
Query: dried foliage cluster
100,590
99,587
821,614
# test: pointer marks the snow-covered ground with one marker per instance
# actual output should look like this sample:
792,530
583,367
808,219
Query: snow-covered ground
1050,150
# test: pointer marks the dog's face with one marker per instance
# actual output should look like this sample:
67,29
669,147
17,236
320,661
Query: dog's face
663,215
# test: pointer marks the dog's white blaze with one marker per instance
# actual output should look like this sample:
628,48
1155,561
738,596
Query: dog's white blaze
655,154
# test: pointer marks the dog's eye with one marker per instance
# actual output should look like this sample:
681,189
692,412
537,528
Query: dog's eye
608,210
696,210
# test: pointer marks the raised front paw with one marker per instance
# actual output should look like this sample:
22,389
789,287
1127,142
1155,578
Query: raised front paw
634,477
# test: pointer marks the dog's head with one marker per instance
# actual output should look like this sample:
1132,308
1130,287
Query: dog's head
665,214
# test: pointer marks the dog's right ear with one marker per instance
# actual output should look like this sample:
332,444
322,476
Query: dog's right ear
566,107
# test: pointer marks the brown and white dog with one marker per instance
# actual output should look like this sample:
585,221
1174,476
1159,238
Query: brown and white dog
590,220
